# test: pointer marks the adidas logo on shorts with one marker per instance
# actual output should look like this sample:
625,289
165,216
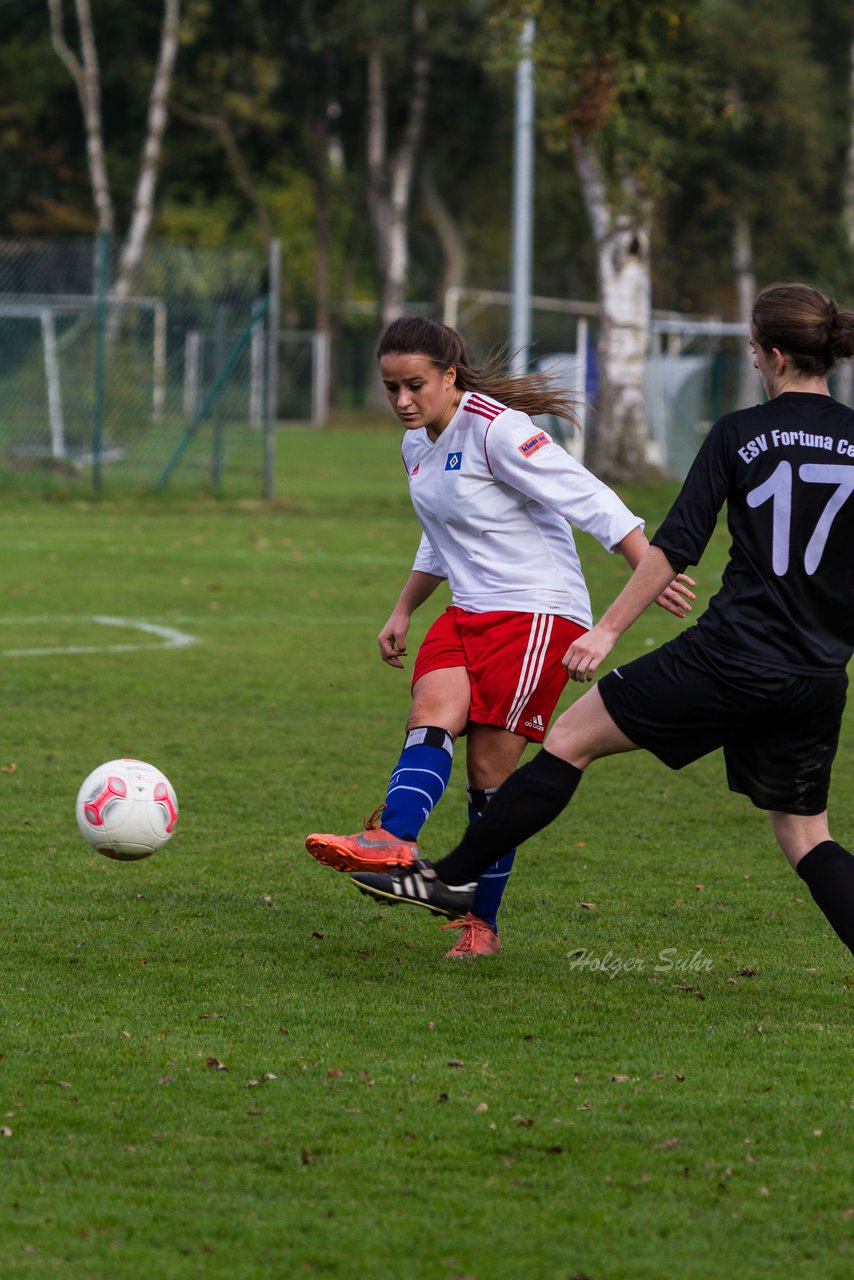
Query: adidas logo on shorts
536,722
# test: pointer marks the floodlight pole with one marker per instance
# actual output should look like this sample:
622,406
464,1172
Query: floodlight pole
523,203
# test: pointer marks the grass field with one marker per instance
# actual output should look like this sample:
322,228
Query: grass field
224,1062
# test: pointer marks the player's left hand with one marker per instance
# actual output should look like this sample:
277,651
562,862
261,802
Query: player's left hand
585,654
677,597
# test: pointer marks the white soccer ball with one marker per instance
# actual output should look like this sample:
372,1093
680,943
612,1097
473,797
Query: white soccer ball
126,809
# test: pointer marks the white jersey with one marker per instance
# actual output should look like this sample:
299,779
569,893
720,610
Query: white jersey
494,495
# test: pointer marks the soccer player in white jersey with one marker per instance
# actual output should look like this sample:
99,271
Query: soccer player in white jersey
495,496
762,674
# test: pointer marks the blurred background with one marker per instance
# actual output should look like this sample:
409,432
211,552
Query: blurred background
208,210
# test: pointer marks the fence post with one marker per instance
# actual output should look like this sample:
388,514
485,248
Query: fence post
272,406
102,286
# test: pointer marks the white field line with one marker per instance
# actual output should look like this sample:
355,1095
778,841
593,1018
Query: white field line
169,637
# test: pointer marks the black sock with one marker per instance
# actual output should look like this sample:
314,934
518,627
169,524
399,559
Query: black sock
529,800
828,871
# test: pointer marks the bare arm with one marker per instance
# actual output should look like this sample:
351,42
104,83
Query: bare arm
418,587
677,595
645,585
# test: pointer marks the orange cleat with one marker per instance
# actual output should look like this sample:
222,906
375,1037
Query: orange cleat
373,849
477,938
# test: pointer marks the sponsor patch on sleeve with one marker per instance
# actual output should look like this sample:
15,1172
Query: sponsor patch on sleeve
536,442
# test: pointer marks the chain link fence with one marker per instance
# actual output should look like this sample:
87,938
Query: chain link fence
168,382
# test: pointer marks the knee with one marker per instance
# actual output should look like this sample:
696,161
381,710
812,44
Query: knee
423,715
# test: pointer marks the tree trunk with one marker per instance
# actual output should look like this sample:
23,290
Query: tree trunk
143,209
745,293
451,239
615,447
390,181
87,77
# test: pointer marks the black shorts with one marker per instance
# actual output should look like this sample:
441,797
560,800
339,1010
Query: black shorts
779,731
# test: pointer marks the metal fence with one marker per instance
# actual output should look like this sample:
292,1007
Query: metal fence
176,383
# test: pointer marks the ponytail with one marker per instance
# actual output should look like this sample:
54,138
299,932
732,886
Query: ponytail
531,393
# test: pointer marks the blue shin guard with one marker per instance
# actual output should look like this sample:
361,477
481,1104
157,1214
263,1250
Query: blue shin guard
418,781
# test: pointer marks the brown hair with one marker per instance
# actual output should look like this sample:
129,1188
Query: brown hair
804,324
532,393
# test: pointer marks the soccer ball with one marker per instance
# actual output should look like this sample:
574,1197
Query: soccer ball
126,809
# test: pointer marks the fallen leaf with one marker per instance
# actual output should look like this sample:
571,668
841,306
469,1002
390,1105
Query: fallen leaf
334,1073
456,1062
306,1157
522,1122
482,1106
9,768
588,906
215,1064
669,1144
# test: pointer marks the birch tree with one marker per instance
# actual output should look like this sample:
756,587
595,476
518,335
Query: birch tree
621,230
146,186
85,70
614,92
391,165
86,74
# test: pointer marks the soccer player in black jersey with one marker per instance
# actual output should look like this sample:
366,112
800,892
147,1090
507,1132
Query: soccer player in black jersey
762,674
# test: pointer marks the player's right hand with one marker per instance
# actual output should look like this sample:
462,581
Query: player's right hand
392,641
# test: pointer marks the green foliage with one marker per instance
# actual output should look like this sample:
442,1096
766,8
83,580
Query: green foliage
709,105
625,77
223,1062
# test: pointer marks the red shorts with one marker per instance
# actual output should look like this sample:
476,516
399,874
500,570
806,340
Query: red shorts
513,661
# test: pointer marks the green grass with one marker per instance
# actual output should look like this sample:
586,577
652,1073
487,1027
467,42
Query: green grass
377,1111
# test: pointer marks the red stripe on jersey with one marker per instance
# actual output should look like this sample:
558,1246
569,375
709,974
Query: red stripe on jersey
484,408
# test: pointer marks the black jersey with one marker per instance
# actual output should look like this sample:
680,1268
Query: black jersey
786,471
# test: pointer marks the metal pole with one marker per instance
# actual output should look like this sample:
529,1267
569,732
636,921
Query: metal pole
103,284
214,391
158,400
523,201
274,285
217,423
